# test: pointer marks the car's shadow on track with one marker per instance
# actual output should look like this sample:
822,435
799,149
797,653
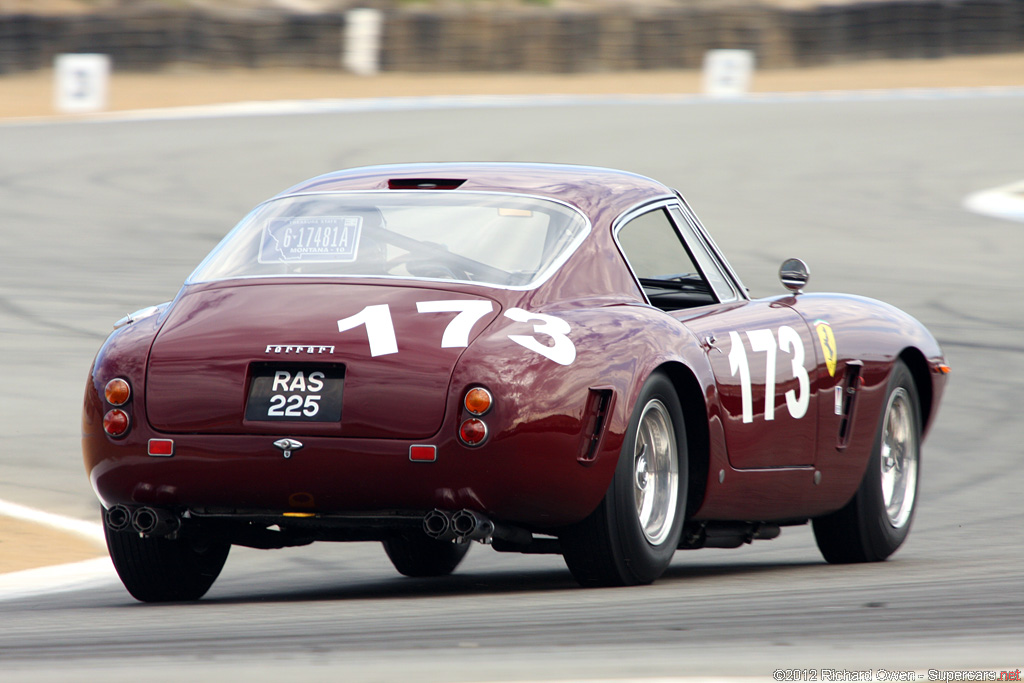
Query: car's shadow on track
469,583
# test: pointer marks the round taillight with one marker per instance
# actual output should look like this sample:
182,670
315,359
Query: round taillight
473,432
478,400
115,422
117,392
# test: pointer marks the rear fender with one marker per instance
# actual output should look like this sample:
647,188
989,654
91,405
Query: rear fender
123,355
539,425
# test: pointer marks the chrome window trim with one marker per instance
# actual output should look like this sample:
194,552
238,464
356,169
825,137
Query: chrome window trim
664,203
713,257
713,249
555,266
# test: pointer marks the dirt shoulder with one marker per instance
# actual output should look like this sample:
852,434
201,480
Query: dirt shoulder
24,545
31,94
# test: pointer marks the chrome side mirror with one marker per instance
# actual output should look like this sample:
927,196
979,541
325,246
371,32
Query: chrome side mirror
794,275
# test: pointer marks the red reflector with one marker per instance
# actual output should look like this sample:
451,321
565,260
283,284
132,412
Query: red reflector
163,448
473,432
423,453
115,422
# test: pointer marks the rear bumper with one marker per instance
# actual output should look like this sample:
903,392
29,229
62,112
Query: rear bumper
240,474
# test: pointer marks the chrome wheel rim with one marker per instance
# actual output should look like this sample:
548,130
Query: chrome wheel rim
655,472
899,458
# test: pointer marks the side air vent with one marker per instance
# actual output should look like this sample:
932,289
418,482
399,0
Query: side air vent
424,183
846,401
595,416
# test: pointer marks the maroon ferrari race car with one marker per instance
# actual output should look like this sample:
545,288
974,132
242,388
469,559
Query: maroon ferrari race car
542,358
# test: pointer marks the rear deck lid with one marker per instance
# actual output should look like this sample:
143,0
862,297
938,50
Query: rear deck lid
310,358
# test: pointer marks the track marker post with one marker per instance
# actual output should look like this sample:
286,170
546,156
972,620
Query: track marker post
81,83
361,41
728,73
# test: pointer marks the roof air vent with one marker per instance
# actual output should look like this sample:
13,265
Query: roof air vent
424,183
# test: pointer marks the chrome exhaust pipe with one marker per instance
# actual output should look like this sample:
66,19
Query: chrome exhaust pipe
471,526
154,522
466,525
118,518
438,525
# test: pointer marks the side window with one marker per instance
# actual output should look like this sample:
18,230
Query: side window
711,268
660,260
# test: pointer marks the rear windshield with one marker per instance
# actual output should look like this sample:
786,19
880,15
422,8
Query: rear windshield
494,239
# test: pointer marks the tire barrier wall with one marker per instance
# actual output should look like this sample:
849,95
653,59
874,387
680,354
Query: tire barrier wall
537,39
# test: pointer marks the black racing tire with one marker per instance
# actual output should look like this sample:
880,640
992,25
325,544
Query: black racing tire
877,519
419,556
632,535
156,569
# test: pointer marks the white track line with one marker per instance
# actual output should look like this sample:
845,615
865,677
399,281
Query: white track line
449,102
1006,201
59,579
65,577
91,530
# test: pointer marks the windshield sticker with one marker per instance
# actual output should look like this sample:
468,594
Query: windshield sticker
311,239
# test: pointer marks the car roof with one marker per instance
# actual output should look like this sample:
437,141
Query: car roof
595,191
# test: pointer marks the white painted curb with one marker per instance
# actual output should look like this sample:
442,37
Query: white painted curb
453,102
91,530
1006,201
60,578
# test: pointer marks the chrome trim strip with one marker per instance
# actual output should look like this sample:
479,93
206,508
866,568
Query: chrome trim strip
715,258
709,247
716,252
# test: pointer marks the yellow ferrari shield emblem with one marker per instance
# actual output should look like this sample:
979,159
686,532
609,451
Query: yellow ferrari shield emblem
828,345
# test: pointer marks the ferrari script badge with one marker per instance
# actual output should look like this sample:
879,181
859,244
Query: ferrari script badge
298,348
288,446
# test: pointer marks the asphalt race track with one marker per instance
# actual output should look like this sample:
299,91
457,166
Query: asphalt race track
102,218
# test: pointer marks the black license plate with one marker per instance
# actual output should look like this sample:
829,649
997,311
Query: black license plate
295,393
